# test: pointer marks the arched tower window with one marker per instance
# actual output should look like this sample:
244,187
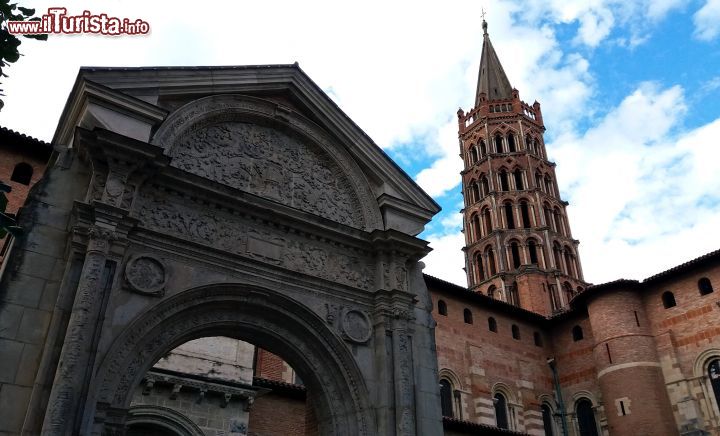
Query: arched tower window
442,308
515,254
467,316
511,142
538,181
487,221
473,154
558,221
446,398
492,267
714,376
515,332
548,186
483,148
491,291
504,181
499,144
22,173
538,148
577,333
586,418
528,143
484,185
501,413
492,325
475,188
479,267
513,296
509,217
547,420
518,180
569,293
532,250
525,214
570,270
668,300
556,256
704,286
475,223
549,217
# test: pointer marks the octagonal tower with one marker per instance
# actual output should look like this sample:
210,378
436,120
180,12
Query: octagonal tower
518,244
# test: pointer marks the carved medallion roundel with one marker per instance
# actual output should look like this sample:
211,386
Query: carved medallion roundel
356,326
146,274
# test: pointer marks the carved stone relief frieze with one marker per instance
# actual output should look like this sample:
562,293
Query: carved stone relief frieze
240,235
269,163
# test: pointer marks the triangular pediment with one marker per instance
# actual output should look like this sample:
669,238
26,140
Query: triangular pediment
136,101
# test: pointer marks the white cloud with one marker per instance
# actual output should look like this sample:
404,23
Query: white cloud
638,189
707,21
446,261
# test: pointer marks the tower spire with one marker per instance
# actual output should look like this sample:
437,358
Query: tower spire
492,80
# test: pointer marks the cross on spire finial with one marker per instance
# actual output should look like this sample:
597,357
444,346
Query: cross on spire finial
484,23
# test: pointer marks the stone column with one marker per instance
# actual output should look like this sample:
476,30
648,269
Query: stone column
403,372
71,375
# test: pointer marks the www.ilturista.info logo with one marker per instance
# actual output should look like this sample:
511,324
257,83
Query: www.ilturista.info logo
57,21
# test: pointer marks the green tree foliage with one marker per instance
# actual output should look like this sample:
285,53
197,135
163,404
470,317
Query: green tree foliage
9,43
7,221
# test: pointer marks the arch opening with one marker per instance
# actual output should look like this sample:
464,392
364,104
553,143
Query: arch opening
274,322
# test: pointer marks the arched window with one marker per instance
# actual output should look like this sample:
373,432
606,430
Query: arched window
704,286
475,224
714,375
492,268
528,142
504,182
537,339
501,413
487,221
668,299
569,293
515,332
548,186
442,308
446,402
549,218
467,316
475,188
513,297
538,181
577,333
479,266
511,142
483,148
473,154
547,420
532,249
556,255
509,217
484,184
499,144
586,418
492,325
22,173
525,214
491,291
515,254
558,221
568,262
518,180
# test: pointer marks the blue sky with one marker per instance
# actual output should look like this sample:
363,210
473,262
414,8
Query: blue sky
630,93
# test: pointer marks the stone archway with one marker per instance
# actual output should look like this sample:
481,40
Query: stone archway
162,418
258,315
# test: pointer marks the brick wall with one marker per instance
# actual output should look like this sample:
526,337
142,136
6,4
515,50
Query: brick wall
274,414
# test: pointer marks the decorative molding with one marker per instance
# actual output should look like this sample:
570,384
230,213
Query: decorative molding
356,326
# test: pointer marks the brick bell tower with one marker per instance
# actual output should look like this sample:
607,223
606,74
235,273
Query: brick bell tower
518,245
